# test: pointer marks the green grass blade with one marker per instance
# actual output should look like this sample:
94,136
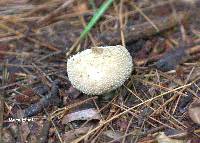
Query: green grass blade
96,17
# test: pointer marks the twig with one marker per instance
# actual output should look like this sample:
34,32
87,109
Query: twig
51,99
127,111
121,24
144,30
5,77
31,66
1,114
54,13
22,54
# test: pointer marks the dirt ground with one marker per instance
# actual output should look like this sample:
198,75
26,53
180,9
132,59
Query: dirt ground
159,103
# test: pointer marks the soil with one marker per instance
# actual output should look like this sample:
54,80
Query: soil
38,102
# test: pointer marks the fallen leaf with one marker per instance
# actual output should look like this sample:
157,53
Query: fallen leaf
87,114
73,134
112,135
176,134
194,140
171,59
162,138
194,111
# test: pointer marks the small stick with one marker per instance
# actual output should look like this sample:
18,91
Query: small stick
5,77
55,12
51,99
145,29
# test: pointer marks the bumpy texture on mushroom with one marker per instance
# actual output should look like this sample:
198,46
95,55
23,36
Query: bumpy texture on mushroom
99,70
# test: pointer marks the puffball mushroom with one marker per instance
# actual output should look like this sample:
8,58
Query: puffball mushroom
99,70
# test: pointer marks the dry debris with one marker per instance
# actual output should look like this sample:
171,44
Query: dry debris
38,103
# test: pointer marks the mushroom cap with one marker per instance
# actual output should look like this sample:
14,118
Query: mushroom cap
99,70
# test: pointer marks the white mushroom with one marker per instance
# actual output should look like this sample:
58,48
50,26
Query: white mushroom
99,70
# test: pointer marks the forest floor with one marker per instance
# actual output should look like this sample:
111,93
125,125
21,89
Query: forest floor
160,102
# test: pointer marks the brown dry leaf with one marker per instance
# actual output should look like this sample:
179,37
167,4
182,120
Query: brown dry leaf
194,111
87,114
112,135
73,134
162,138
